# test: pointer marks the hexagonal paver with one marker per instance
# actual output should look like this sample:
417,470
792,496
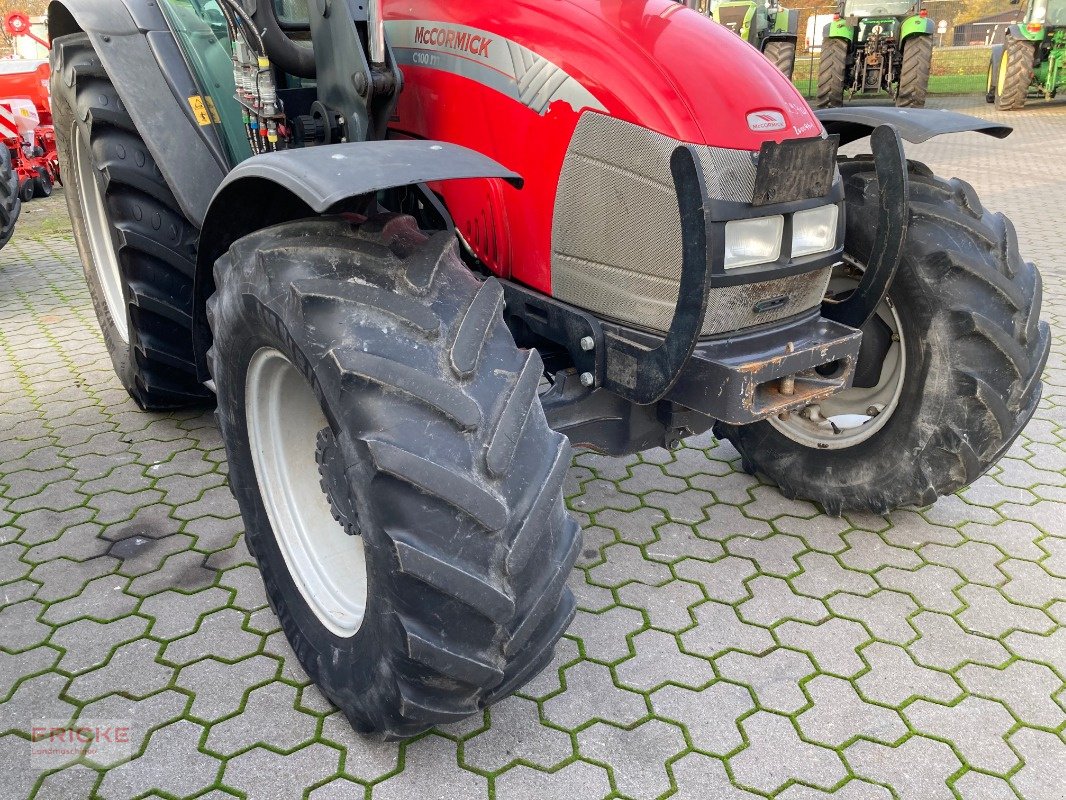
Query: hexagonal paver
775,754
838,715
709,715
431,770
628,753
262,773
271,711
895,766
577,779
176,743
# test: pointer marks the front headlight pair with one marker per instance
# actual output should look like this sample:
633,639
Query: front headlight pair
749,242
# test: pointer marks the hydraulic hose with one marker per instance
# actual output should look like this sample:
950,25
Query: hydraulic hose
283,51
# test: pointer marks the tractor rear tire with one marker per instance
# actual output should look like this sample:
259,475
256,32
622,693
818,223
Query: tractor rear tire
832,68
1015,74
10,202
137,248
434,457
973,348
914,72
783,54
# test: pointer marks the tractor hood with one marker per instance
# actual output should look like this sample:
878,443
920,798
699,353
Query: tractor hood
654,63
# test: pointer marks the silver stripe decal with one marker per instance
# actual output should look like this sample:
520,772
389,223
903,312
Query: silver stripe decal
500,64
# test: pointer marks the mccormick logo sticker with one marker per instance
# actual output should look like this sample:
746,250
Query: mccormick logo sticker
451,39
488,59
766,121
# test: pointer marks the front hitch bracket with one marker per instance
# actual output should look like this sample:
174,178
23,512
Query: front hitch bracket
893,203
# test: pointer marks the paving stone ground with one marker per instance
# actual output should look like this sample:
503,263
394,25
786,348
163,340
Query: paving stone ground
730,643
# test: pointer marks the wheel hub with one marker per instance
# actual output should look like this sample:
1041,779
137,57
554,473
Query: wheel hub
285,428
857,414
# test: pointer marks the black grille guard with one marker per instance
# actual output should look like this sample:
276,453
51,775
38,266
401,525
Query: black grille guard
737,379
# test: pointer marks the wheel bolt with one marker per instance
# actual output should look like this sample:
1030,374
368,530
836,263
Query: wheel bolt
588,379
588,343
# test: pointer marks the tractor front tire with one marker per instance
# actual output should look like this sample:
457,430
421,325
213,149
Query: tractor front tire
832,67
783,54
914,72
400,486
969,349
137,248
10,202
1015,74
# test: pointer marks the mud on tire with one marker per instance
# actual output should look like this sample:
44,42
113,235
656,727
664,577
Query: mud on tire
975,350
154,243
437,453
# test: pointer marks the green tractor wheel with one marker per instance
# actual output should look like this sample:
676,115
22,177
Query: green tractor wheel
831,72
782,53
914,72
1015,74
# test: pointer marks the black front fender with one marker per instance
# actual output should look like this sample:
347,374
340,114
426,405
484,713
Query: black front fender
292,184
916,125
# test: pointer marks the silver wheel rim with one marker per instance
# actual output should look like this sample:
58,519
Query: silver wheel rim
845,419
327,565
98,231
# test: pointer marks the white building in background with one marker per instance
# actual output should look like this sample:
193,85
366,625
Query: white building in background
815,27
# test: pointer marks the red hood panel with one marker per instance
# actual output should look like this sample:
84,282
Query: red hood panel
653,62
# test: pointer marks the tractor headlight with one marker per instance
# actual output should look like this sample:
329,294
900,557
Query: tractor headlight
753,241
814,231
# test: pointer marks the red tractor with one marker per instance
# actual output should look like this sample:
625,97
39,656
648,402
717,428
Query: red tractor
414,250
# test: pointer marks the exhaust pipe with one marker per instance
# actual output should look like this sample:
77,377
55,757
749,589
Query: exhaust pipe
376,33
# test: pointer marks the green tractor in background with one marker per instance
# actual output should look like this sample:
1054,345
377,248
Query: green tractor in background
762,23
1033,57
873,46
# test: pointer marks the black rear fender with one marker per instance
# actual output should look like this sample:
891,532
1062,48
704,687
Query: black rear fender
147,67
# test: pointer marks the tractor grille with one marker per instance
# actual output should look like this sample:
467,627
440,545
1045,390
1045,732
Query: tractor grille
617,242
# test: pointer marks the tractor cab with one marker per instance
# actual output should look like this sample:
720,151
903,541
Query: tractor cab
877,18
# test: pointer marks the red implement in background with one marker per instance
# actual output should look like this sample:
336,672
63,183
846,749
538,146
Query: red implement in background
33,149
